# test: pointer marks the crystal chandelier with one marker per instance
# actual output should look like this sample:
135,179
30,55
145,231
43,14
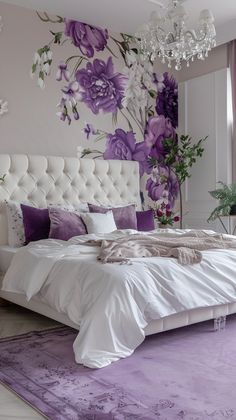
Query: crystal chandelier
166,36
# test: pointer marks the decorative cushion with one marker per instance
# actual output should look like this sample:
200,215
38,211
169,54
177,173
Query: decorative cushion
64,224
99,222
145,220
125,217
16,232
36,223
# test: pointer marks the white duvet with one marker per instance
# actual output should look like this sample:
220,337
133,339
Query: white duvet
113,303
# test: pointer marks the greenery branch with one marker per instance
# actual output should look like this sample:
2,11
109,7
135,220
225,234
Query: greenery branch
180,156
45,18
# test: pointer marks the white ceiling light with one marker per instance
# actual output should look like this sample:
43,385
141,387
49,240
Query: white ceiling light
167,36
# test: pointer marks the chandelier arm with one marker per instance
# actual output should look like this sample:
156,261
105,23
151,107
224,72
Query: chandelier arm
170,35
194,37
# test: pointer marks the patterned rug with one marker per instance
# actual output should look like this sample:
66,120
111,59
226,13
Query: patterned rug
185,374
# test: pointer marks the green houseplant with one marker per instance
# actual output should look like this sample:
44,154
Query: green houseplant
180,156
226,195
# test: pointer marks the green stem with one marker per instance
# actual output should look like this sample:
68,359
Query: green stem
222,223
127,120
46,18
136,121
75,56
181,206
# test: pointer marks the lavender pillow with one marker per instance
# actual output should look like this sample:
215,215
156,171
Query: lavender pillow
145,220
36,223
125,217
65,224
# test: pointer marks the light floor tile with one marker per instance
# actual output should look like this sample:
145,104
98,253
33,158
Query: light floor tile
16,320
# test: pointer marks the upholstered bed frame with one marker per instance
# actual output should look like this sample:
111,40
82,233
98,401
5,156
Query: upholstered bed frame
42,180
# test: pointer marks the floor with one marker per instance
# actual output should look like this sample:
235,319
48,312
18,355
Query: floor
16,320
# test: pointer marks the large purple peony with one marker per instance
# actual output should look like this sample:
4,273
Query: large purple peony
158,129
122,146
86,37
163,184
167,99
102,88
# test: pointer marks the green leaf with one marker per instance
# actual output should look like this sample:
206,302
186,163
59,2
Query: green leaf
34,67
152,93
114,118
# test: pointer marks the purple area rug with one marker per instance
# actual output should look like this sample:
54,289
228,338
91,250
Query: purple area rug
189,374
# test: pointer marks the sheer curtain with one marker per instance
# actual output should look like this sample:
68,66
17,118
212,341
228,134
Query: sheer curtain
232,66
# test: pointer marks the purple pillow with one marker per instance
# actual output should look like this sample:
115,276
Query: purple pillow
36,223
65,224
125,217
145,220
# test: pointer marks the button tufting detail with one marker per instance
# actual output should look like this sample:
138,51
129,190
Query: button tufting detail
41,180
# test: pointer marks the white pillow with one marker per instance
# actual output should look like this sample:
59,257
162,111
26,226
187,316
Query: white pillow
16,232
99,222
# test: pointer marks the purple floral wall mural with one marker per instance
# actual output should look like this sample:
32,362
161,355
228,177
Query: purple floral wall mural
142,104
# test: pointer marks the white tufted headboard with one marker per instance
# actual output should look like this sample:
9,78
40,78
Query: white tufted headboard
43,180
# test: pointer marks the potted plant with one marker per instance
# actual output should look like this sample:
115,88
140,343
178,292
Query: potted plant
226,195
179,156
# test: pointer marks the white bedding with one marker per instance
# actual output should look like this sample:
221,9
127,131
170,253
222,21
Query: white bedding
113,303
6,254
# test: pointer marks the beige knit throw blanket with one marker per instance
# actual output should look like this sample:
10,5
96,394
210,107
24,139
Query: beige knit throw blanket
186,248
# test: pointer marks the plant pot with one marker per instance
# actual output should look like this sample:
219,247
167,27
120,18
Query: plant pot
233,210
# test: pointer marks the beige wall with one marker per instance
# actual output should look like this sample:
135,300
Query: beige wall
217,60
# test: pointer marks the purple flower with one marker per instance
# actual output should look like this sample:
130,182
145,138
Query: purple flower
64,115
62,72
122,146
70,96
89,130
158,129
71,93
167,100
102,88
86,37
163,184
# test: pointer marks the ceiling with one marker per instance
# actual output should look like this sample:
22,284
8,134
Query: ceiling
127,15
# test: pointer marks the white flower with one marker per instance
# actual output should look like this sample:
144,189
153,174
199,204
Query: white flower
41,83
44,57
79,151
49,55
148,81
3,107
37,58
131,58
46,68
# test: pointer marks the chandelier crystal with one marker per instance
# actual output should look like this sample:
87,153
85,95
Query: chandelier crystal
167,36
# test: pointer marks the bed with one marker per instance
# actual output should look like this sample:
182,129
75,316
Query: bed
43,180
